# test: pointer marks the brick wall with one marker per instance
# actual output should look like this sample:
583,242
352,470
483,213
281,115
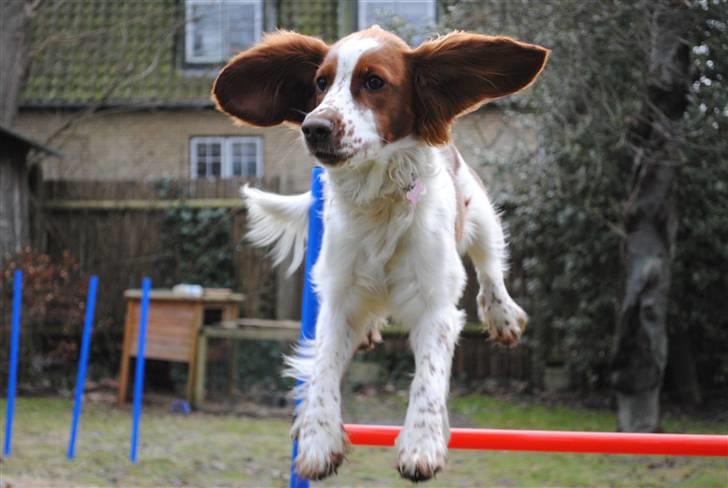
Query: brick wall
155,144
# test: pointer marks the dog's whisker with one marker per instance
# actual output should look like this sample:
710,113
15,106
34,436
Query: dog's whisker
302,112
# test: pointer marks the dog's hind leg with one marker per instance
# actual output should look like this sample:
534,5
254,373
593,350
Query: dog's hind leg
484,241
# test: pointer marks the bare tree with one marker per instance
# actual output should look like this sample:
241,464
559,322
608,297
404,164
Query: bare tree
14,29
650,221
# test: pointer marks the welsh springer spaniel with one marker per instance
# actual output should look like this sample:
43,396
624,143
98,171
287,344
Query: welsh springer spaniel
401,206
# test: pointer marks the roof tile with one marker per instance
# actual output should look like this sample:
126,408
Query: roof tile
111,52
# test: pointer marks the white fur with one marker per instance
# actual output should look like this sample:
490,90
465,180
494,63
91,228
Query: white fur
383,256
280,221
364,136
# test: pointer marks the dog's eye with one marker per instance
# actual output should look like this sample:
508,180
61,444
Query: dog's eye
321,83
374,83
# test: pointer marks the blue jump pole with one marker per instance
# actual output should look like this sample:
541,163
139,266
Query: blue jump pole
83,363
310,307
13,369
139,370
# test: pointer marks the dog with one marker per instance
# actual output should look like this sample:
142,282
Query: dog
401,207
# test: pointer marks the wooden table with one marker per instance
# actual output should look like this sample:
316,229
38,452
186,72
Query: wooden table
172,328
240,329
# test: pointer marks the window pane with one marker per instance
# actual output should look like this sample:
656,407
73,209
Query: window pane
416,14
224,157
377,13
252,168
236,166
206,39
410,19
250,158
241,28
250,151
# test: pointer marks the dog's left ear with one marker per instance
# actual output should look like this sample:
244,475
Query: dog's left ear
271,82
458,72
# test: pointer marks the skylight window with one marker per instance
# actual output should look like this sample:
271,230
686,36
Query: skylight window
215,30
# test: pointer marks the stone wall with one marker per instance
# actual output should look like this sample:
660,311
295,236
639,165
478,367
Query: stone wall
153,144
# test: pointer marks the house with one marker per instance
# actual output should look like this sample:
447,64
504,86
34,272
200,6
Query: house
16,185
122,86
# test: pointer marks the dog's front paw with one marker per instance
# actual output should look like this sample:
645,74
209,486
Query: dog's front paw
321,448
421,454
504,320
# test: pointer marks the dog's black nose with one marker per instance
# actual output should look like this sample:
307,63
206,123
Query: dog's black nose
317,131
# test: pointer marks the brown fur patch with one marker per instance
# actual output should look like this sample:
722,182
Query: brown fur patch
392,104
271,82
326,70
456,73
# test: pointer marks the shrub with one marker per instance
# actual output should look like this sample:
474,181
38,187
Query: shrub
54,294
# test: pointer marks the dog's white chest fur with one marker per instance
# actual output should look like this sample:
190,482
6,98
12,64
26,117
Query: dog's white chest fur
370,223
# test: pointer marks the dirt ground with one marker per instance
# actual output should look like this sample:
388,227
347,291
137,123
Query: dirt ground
203,449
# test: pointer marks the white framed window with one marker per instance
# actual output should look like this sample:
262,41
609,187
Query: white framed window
217,29
409,18
226,157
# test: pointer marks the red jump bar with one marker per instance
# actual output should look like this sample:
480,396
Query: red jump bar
557,441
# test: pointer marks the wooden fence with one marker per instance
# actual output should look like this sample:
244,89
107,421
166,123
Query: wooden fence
116,231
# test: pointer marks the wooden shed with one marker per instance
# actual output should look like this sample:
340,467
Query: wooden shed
15,189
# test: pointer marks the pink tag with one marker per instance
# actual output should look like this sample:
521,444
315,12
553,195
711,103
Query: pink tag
414,193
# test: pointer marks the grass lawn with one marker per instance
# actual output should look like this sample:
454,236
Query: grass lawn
218,450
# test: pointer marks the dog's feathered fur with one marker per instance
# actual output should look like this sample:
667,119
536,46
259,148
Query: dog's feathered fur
401,206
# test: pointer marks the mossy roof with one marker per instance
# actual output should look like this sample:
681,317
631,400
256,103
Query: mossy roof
112,52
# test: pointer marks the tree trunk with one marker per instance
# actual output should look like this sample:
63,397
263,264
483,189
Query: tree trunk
14,17
640,354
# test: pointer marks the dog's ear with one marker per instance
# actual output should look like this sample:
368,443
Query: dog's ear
271,82
458,72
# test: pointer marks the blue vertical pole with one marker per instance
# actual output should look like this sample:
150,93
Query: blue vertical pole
139,370
13,369
83,363
310,307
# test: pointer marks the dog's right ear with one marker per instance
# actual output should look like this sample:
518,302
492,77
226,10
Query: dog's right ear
271,82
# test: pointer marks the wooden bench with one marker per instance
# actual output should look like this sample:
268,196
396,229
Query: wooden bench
240,329
273,330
